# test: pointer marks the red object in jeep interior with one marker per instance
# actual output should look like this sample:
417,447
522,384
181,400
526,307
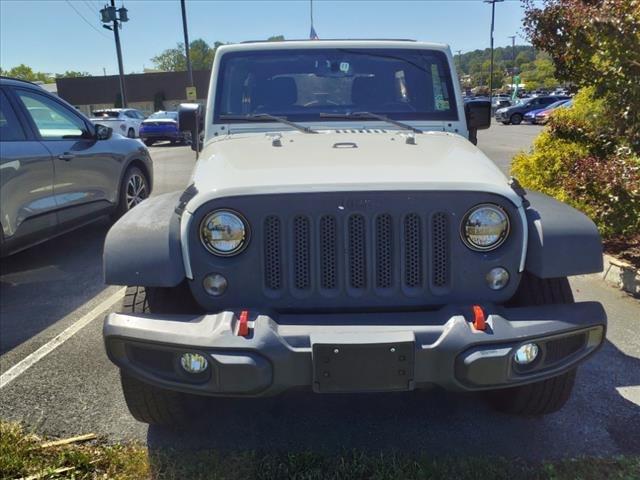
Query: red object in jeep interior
243,323
479,321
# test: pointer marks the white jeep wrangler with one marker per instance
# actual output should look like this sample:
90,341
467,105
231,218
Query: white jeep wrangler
342,233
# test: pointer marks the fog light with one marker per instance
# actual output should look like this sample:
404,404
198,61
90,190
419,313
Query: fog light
215,284
497,278
193,362
526,354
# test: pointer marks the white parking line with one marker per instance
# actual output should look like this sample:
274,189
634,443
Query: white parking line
631,393
30,360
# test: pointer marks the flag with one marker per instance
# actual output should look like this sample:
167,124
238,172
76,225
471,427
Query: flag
313,35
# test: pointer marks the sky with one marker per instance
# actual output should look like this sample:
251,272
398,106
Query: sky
52,36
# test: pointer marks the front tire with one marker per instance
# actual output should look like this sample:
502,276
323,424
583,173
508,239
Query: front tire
133,190
546,396
147,403
516,119
148,143
131,133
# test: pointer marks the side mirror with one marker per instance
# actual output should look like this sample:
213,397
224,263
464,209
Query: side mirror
478,115
191,119
103,132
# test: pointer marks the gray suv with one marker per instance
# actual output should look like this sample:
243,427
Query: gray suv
59,171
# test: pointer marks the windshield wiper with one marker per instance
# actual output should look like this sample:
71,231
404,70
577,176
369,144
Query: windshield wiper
370,115
261,117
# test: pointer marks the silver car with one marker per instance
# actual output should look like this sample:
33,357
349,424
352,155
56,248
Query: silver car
59,171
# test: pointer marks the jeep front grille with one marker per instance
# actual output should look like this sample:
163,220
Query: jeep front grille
356,253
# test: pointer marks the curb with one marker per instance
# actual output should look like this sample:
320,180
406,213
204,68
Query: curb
621,275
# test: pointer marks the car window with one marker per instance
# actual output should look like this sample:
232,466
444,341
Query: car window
130,114
10,128
54,122
105,114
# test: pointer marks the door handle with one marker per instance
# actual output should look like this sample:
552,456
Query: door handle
66,156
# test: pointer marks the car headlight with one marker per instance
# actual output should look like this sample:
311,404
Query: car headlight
485,227
224,233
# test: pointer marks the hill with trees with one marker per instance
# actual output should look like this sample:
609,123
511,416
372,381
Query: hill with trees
535,68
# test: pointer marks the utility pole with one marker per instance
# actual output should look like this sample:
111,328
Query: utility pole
493,16
116,16
513,60
186,41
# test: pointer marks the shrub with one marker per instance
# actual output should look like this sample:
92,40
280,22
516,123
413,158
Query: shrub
578,159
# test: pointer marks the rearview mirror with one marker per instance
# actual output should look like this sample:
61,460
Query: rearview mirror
478,115
103,132
190,119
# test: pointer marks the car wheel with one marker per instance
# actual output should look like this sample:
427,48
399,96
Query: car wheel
516,119
546,396
148,143
505,123
131,133
133,190
148,403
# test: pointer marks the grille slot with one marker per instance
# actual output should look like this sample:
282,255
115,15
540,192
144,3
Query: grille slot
384,251
272,253
440,249
302,252
413,251
560,348
357,252
328,253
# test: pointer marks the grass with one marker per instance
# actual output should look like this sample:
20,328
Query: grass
21,455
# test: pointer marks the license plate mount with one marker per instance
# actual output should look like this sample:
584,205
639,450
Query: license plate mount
348,364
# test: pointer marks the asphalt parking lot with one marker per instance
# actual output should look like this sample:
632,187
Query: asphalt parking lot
75,389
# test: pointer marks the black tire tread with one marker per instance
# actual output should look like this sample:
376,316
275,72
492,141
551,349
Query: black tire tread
147,403
157,406
546,396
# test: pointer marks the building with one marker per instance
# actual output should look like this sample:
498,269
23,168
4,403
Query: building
147,92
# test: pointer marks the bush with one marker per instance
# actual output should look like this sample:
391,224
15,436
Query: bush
580,160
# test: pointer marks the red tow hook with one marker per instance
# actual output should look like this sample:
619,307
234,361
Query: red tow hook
479,320
243,324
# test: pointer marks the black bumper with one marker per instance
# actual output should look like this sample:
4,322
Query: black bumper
401,351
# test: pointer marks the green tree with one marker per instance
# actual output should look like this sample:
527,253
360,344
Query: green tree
594,43
72,74
24,72
175,60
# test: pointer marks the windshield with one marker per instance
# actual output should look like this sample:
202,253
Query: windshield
300,85
164,115
106,114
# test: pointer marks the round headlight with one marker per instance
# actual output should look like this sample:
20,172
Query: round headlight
224,233
485,227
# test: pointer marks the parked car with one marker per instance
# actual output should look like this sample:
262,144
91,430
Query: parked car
500,101
125,121
515,114
531,116
319,248
161,126
542,116
59,171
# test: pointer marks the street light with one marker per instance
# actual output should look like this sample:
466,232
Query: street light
493,16
513,60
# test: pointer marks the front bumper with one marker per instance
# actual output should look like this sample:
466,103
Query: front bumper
391,351
168,135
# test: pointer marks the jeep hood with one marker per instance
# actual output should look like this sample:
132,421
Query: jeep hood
353,160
